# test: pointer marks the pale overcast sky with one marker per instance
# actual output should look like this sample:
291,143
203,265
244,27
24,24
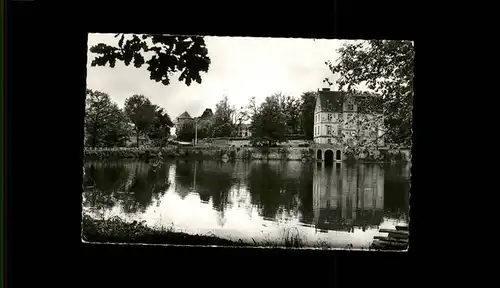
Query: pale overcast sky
241,67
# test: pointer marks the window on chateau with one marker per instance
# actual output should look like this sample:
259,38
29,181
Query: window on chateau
330,117
329,141
349,119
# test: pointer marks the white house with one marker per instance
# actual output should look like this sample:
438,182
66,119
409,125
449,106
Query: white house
334,114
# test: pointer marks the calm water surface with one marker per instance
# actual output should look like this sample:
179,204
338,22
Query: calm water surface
342,205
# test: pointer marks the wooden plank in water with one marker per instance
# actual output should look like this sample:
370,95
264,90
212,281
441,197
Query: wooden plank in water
397,235
379,244
402,228
388,239
394,231
393,244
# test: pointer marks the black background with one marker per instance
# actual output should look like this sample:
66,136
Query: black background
46,48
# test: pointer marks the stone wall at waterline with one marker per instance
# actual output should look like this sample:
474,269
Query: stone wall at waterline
231,153
240,153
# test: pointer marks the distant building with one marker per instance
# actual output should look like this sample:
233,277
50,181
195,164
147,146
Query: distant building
244,130
183,119
333,116
143,141
207,115
203,121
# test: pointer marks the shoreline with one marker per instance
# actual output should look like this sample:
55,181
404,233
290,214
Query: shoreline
117,231
247,154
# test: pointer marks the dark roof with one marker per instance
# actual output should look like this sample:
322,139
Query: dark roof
243,125
185,115
207,114
336,98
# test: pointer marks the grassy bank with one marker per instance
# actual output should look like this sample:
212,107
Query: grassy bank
116,230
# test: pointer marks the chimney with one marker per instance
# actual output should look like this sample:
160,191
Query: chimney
326,89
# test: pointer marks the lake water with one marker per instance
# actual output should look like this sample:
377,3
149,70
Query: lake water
258,201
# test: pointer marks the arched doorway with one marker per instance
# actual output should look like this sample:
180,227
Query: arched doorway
319,154
329,156
338,155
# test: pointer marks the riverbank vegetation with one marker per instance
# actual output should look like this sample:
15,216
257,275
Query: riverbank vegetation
386,102
232,153
115,230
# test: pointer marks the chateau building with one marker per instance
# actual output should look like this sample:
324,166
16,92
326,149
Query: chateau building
336,118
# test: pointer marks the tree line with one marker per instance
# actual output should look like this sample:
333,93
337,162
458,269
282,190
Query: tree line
384,66
106,125
278,117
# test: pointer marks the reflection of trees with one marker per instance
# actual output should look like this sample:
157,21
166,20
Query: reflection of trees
273,191
211,180
133,186
214,180
148,183
184,177
106,179
305,187
396,190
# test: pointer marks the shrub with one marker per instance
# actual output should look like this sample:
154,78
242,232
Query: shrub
283,153
247,155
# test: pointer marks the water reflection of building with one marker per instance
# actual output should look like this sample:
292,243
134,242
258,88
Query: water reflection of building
345,197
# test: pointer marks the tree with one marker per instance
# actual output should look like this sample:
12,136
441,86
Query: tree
204,128
223,118
253,108
227,119
186,132
104,121
119,128
171,54
386,67
269,122
160,130
290,106
307,113
141,113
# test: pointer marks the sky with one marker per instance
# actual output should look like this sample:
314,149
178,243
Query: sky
241,67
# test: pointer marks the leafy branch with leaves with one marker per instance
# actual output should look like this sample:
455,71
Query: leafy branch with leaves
387,68
169,55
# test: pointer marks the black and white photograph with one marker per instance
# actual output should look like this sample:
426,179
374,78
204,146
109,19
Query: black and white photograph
248,142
